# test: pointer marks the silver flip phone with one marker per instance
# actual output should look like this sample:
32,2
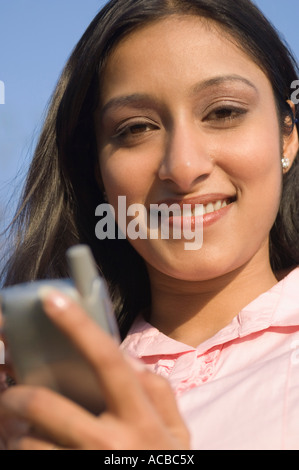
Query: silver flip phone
41,354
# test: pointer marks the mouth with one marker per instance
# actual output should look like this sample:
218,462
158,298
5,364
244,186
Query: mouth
193,207
209,208
201,211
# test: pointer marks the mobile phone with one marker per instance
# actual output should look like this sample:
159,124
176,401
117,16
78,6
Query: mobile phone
40,353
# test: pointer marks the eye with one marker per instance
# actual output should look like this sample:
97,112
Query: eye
133,130
225,115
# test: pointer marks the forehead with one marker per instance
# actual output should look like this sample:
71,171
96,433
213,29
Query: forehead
176,49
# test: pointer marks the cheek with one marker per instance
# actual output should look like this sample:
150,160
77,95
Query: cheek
253,156
253,161
127,174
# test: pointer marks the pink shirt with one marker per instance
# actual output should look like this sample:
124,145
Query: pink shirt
240,388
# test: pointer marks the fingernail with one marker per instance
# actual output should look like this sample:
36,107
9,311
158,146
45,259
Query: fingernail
53,300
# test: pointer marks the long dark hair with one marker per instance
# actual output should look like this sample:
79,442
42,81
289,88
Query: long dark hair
57,208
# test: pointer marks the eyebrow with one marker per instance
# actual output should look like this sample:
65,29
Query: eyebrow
136,100
143,100
220,80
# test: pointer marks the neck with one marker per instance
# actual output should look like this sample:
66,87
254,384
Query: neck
192,312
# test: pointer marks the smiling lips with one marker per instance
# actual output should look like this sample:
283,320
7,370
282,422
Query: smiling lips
200,205
210,207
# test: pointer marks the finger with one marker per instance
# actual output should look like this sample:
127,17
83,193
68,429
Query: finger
5,361
55,419
11,427
3,382
157,387
119,384
51,414
31,443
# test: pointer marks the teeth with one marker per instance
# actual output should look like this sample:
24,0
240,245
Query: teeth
210,207
187,211
198,210
217,205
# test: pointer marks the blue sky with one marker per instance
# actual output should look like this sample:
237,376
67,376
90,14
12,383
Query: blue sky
36,38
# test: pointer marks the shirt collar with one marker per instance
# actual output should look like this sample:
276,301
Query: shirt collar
278,307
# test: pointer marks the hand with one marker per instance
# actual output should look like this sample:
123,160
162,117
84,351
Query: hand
6,368
11,428
135,417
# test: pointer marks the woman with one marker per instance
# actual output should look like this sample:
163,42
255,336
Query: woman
184,102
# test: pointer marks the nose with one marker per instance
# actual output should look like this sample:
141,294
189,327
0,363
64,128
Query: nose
186,160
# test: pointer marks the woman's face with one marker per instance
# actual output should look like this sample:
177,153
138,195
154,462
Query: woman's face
187,117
